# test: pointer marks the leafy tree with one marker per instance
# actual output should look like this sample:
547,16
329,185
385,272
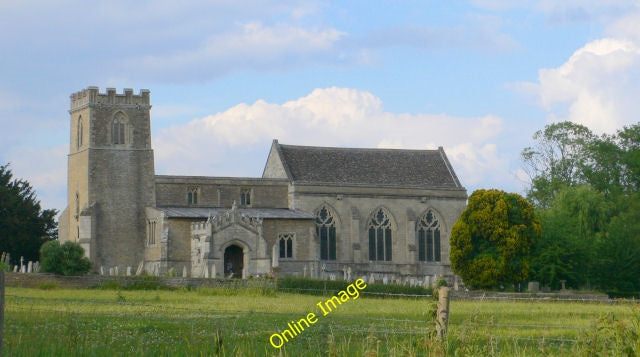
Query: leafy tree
491,242
65,259
557,160
618,267
571,231
24,226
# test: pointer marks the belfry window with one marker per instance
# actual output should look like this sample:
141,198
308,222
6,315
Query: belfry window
326,231
428,229
118,129
285,242
245,197
380,240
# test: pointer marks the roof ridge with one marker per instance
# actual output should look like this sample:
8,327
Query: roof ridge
355,148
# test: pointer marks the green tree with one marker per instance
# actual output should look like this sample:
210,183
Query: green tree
558,159
491,241
571,231
24,226
618,263
65,259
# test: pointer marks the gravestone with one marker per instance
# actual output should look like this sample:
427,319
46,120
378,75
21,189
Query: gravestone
533,287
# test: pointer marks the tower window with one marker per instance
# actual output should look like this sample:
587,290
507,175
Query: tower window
428,228
118,128
79,133
285,242
245,197
380,237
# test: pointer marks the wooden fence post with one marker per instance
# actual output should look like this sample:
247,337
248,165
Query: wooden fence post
443,311
1,309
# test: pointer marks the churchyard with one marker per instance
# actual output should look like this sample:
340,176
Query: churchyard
49,320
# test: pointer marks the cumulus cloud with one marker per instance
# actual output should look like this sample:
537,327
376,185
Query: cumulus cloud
597,86
329,117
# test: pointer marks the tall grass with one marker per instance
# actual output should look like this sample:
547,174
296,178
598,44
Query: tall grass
93,322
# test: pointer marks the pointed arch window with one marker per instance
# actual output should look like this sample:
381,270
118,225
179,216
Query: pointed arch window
326,231
192,196
428,228
380,239
79,133
245,197
285,242
118,128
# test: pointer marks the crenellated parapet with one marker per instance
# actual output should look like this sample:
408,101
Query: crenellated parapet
92,97
202,228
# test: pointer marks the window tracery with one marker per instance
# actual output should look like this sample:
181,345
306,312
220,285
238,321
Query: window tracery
118,128
326,231
428,228
285,242
380,236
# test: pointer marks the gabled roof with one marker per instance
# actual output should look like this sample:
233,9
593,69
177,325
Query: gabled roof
367,167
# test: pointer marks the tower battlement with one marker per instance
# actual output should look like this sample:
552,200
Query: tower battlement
91,96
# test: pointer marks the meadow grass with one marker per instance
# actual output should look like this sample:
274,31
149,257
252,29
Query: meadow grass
230,322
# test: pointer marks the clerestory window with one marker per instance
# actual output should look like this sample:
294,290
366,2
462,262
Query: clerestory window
192,196
245,197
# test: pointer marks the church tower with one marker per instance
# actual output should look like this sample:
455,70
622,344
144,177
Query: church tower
110,176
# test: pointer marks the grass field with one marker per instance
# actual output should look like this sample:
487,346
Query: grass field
86,322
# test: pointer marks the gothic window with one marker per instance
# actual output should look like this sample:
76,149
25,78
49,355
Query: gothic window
380,236
79,133
192,196
285,242
245,197
326,231
118,128
151,231
428,228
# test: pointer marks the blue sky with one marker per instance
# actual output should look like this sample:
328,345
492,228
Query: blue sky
227,77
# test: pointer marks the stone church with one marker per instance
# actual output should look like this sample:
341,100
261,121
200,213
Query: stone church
316,211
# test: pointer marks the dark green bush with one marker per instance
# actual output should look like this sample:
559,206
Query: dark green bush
65,259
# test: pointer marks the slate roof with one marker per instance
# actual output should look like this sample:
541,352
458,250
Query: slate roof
370,167
204,212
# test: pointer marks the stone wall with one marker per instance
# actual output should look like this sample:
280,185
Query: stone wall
220,191
89,281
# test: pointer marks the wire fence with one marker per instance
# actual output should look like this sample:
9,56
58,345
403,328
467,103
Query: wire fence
243,325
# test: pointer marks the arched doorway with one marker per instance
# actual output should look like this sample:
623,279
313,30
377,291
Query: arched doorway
233,258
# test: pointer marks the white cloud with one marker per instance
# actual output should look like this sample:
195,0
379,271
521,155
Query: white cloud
251,45
329,117
597,86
